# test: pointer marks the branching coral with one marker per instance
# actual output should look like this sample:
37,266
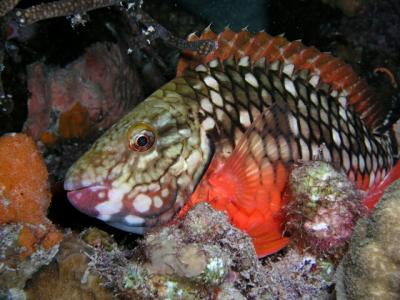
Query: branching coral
59,9
74,7
7,5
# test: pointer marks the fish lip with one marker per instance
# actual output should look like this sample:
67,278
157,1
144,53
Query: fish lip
87,204
79,189
71,186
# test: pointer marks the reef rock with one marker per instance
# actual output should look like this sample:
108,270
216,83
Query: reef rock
68,276
323,209
28,240
371,268
201,257
293,276
205,257
89,94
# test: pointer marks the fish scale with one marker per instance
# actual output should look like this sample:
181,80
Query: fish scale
227,131
319,121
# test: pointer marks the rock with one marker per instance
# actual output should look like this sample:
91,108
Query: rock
371,268
298,276
205,257
323,209
69,275
87,95
200,257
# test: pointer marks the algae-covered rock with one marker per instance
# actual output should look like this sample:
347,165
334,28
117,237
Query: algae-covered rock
323,209
200,257
68,276
205,257
298,276
193,259
16,268
371,268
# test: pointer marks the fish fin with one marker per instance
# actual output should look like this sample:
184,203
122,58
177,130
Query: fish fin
375,193
267,242
323,68
244,166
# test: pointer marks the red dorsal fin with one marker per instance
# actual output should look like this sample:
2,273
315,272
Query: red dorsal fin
325,67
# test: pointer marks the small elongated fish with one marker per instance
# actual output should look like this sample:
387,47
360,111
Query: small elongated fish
231,124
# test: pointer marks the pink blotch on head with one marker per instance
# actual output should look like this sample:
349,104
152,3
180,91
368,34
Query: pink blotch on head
86,199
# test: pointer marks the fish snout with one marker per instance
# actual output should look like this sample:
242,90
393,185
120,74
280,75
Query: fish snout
86,199
128,208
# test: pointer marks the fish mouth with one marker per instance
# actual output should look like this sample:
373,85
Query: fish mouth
85,198
101,201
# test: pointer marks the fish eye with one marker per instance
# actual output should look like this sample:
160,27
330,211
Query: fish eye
141,137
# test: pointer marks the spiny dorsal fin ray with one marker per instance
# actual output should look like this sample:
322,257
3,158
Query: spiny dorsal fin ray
330,70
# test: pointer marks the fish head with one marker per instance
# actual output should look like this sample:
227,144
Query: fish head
142,170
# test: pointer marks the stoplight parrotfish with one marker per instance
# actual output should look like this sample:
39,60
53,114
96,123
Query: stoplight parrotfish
227,130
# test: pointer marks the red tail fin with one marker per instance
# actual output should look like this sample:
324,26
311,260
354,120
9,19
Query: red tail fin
376,192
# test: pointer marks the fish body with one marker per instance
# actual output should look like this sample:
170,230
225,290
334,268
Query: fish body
226,131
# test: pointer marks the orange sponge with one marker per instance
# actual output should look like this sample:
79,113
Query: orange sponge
24,191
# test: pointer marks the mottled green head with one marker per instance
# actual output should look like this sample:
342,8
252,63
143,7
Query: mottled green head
140,172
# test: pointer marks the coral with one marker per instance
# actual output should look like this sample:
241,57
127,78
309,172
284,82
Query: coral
68,276
58,9
323,210
7,5
27,238
87,95
371,268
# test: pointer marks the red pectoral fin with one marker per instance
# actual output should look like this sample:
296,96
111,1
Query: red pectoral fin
254,178
267,242
252,166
